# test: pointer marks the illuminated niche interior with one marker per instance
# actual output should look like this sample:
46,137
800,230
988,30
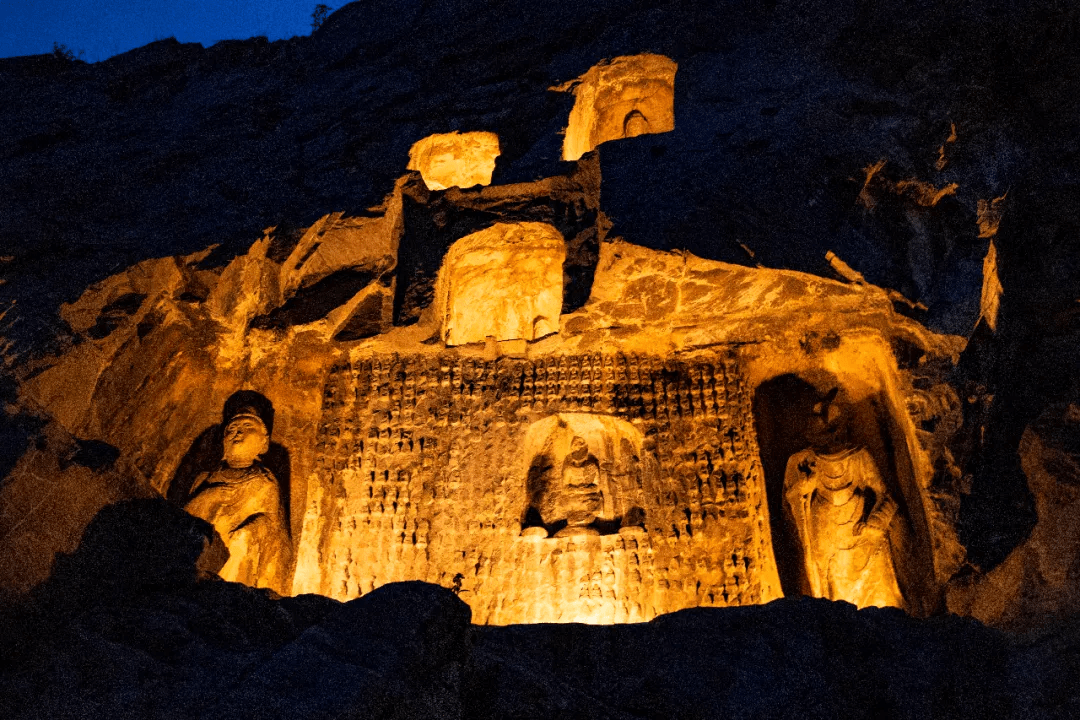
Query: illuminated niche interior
455,159
505,282
621,98
587,475
811,429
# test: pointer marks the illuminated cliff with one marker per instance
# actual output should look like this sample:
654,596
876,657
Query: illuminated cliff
622,315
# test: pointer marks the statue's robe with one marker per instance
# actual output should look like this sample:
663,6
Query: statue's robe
841,512
244,506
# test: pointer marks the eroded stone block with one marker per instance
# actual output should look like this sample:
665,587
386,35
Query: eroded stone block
504,282
620,98
455,159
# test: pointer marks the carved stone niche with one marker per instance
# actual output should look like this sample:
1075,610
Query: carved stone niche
505,282
454,159
586,475
621,98
848,519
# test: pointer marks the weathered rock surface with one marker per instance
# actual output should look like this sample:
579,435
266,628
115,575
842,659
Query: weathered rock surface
930,147
129,626
671,347
783,114
1037,587
57,484
135,622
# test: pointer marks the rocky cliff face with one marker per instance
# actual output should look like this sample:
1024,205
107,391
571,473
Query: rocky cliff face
130,624
540,301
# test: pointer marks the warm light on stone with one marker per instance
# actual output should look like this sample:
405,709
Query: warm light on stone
455,159
840,512
504,282
621,98
439,418
586,487
587,474
241,499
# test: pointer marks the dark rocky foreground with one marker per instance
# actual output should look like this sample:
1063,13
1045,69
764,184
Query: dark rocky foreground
134,624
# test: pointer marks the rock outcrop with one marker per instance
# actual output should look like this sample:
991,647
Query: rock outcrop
130,625
1036,587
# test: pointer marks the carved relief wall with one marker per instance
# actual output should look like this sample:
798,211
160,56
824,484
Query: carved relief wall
433,467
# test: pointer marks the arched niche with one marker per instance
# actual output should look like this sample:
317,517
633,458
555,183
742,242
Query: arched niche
505,282
455,159
619,98
785,409
585,474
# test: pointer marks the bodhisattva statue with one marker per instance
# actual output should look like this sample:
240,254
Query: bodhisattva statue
841,510
241,499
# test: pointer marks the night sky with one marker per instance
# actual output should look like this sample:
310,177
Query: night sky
98,29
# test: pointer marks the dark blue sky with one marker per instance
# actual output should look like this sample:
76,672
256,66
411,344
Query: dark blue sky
103,28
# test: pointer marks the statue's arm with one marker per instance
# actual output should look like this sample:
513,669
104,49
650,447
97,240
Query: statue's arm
273,506
798,491
881,515
798,482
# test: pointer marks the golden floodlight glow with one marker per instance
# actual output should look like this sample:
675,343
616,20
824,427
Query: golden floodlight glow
505,281
621,98
455,159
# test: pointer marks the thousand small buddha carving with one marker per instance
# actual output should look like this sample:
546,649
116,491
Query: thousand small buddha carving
841,511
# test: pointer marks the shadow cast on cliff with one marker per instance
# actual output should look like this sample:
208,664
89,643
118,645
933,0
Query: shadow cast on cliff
135,623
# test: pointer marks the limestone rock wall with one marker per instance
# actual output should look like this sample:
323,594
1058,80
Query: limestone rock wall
896,138
404,458
442,366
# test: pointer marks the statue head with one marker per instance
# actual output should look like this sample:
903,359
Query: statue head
830,423
579,451
245,438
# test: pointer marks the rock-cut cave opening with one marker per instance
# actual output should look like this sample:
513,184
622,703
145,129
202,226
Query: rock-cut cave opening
622,98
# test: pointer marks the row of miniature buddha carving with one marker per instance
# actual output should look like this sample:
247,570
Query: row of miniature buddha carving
594,369
397,401
356,456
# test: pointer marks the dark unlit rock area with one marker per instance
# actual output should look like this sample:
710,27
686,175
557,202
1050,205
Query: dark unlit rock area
141,629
